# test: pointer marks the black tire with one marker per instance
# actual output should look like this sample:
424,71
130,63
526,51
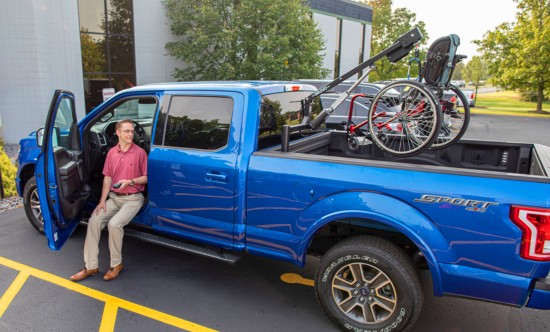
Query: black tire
404,118
32,205
389,296
455,120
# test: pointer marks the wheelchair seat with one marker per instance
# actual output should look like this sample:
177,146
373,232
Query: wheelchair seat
441,60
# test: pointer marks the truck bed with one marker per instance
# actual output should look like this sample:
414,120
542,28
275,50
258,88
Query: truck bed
499,159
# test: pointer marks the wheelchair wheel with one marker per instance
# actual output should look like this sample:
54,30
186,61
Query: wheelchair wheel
404,118
455,110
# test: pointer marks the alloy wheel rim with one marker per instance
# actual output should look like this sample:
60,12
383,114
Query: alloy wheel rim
36,208
364,293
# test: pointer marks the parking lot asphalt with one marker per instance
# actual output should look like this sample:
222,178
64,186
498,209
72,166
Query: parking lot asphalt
509,128
165,290
208,294
111,304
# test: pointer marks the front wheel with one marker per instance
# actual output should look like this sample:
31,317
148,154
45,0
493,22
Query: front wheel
367,283
32,205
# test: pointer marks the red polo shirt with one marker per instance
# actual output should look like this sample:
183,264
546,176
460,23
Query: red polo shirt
127,165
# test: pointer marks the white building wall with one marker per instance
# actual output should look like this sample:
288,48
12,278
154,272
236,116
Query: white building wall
40,53
351,42
152,32
327,24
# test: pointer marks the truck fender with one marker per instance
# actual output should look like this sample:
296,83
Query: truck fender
385,210
25,173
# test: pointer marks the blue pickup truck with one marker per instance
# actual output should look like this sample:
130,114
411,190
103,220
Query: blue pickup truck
224,182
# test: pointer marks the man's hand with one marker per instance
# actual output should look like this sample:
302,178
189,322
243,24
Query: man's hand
122,184
99,207
125,183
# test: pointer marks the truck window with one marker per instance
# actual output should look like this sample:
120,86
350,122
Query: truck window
62,123
280,109
197,122
64,115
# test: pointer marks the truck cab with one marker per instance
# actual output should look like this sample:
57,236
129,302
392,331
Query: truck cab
201,124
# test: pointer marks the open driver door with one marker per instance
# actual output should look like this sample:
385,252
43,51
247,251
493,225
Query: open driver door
60,173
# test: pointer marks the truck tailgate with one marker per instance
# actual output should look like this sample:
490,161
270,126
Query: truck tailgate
540,163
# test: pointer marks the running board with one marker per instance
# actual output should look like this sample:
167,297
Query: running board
183,246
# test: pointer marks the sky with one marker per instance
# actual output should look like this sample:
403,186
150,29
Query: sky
469,19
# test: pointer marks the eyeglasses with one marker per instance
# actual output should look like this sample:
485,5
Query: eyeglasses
128,131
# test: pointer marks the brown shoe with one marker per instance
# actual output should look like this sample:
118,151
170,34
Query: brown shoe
113,272
83,274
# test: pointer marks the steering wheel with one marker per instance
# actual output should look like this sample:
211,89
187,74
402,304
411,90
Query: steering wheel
140,136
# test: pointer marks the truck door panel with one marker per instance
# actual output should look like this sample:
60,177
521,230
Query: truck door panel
70,183
192,166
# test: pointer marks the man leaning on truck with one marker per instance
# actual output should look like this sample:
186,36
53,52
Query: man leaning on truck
125,172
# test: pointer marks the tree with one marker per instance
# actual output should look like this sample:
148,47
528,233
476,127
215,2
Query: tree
458,73
120,30
93,56
518,54
387,26
475,71
238,39
119,43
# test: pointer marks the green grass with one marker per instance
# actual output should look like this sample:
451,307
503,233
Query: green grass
507,103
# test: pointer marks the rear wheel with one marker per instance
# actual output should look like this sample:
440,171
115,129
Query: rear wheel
32,205
404,118
455,111
367,283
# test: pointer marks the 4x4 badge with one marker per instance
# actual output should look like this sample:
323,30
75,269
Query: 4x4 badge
470,204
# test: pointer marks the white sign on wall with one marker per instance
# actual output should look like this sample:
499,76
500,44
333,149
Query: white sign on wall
108,93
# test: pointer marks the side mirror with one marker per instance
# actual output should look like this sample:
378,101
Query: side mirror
40,137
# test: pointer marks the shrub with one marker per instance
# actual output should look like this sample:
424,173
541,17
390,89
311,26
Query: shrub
8,170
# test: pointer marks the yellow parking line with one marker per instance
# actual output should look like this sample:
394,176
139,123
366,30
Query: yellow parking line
10,293
293,278
109,317
112,303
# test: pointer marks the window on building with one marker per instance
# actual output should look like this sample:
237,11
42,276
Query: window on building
107,45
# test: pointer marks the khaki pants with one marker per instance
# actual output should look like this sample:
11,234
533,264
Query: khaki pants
120,210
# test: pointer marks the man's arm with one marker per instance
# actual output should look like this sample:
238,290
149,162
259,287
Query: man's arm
134,181
107,182
140,180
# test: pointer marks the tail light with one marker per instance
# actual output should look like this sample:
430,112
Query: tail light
535,226
473,95
448,105
452,99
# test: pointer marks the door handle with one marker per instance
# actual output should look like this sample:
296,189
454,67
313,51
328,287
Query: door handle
216,176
